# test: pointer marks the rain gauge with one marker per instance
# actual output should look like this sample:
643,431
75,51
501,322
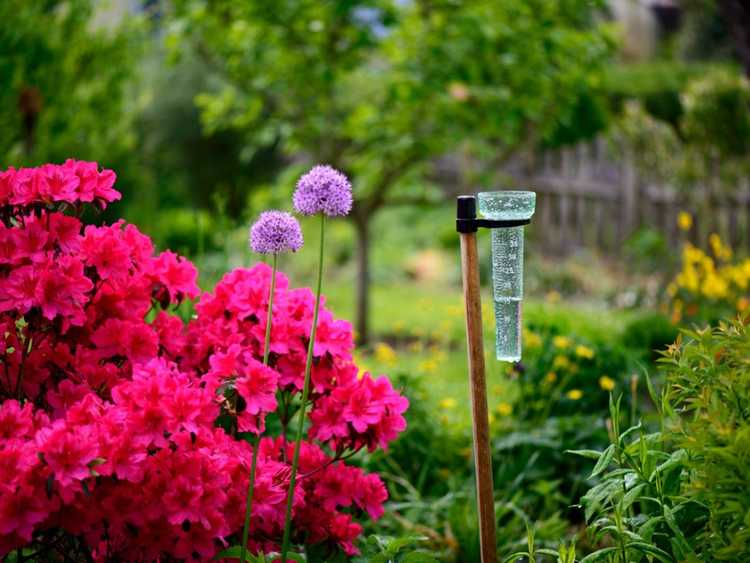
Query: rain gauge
506,213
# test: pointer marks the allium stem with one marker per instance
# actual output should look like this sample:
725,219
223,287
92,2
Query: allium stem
305,393
269,319
254,464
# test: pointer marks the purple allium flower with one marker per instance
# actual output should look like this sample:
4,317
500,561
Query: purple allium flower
323,189
275,232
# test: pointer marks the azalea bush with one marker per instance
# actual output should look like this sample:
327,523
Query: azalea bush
125,431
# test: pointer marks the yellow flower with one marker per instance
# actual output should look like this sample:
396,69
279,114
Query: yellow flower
560,362
574,394
504,409
584,352
553,296
428,366
684,220
561,342
714,287
606,383
448,403
385,354
551,377
531,339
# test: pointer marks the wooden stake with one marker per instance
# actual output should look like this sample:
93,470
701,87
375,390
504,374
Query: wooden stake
480,419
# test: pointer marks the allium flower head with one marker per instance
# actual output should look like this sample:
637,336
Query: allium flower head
323,190
275,232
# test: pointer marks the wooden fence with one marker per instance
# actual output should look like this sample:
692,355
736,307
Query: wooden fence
588,198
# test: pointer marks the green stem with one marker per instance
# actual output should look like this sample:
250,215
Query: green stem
305,393
256,446
269,319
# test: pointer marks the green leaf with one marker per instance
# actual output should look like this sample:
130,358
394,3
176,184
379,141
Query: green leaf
604,461
418,557
589,454
629,431
677,459
650,549
648,527
629,498
679,538
598,555
651,389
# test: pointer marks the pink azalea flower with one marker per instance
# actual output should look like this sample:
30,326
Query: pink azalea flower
67,451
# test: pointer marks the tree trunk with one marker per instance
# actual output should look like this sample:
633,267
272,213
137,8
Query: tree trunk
362,227
737,15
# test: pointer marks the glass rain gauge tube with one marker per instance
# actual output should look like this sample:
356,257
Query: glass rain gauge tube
507,266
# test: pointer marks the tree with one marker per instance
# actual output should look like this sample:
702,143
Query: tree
381,88
64,81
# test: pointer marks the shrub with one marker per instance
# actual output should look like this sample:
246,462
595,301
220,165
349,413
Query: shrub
637,511
681,493
708,388
123,431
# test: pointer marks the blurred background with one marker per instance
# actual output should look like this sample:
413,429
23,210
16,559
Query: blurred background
629,118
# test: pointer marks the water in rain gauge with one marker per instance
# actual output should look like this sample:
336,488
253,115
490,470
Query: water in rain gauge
507,266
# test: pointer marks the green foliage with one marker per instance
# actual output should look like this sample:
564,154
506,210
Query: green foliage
681,493
380,549
649,334
647,251
188,166
426,454
636,511
562,374
653,144
708,387
65,79
430,478
716,113
234,552
379,88
565,553
655,85
708,145
538,479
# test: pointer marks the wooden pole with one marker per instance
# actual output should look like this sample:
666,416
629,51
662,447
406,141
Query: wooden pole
480,419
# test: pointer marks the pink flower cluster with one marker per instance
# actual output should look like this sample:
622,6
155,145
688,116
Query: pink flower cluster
74,182
122,427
